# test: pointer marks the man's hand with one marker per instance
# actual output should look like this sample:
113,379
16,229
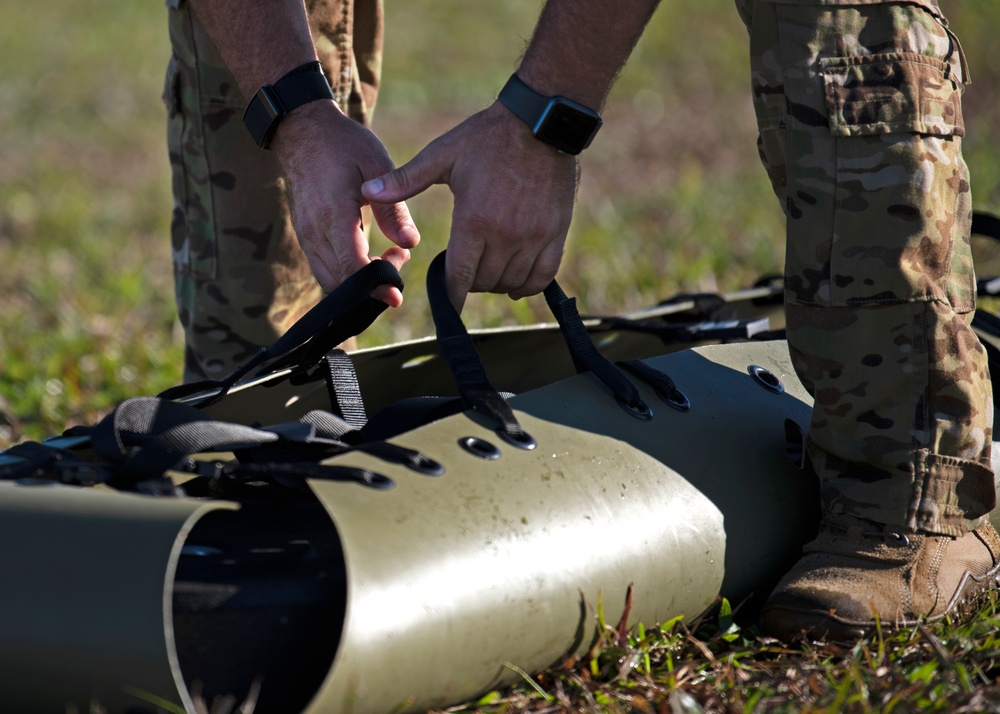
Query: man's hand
325,157
513,203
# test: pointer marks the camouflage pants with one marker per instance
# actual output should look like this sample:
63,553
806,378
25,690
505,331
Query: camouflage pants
241,278
858,106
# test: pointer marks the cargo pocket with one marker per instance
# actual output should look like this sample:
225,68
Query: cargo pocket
903,199
892,93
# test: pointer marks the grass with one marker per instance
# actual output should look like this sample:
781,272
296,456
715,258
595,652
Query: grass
672,198
715,665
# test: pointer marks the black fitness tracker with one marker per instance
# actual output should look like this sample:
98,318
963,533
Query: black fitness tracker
559,122
306,83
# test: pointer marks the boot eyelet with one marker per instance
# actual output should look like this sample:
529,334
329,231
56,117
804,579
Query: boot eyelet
900,538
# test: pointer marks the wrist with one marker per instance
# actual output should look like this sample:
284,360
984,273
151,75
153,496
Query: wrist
515,137
303,128
272,103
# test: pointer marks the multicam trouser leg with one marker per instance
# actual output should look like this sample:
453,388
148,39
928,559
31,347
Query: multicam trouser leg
241,278
859,111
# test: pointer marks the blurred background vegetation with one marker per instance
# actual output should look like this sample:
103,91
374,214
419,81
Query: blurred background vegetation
672,196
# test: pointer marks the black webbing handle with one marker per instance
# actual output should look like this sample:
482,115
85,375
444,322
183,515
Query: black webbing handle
586,357
347,311
463,360
460,354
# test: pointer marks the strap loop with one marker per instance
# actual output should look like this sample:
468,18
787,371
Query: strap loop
346,312
460,354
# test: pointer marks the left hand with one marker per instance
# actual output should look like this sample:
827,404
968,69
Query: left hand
325,156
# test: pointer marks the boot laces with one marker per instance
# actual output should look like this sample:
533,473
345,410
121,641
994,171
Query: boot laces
892,536
889,534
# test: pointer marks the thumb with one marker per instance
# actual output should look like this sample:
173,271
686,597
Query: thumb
423,170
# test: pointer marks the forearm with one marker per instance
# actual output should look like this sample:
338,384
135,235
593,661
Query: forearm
324,155
259,41
579,47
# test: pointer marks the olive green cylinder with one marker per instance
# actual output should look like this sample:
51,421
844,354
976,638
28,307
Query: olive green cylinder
87,576
456,581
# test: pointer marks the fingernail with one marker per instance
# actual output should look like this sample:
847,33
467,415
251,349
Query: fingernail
373,187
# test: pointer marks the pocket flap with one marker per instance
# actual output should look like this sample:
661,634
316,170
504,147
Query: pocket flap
890,93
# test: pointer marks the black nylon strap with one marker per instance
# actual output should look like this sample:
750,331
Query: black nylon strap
342,385
661,382
650,375
136,421
164,432
146,436
460,354
32,460
986,224
407,414
345,312
172,445
329,426
396,454
585,355
306,470
466,367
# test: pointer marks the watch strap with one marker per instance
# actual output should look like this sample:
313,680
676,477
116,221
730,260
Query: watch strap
272,102
523,101
566,125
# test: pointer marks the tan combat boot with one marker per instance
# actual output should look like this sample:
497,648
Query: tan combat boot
856,569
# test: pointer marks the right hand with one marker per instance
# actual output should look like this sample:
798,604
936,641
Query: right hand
513,203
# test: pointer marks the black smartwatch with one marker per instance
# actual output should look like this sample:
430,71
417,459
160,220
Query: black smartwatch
560,122
306,83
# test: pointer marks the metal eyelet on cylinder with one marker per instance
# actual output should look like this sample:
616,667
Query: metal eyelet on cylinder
676,399
524,440
378,481
766,379
639,411
423,464
479,448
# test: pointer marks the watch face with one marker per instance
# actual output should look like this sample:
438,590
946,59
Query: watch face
567,126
